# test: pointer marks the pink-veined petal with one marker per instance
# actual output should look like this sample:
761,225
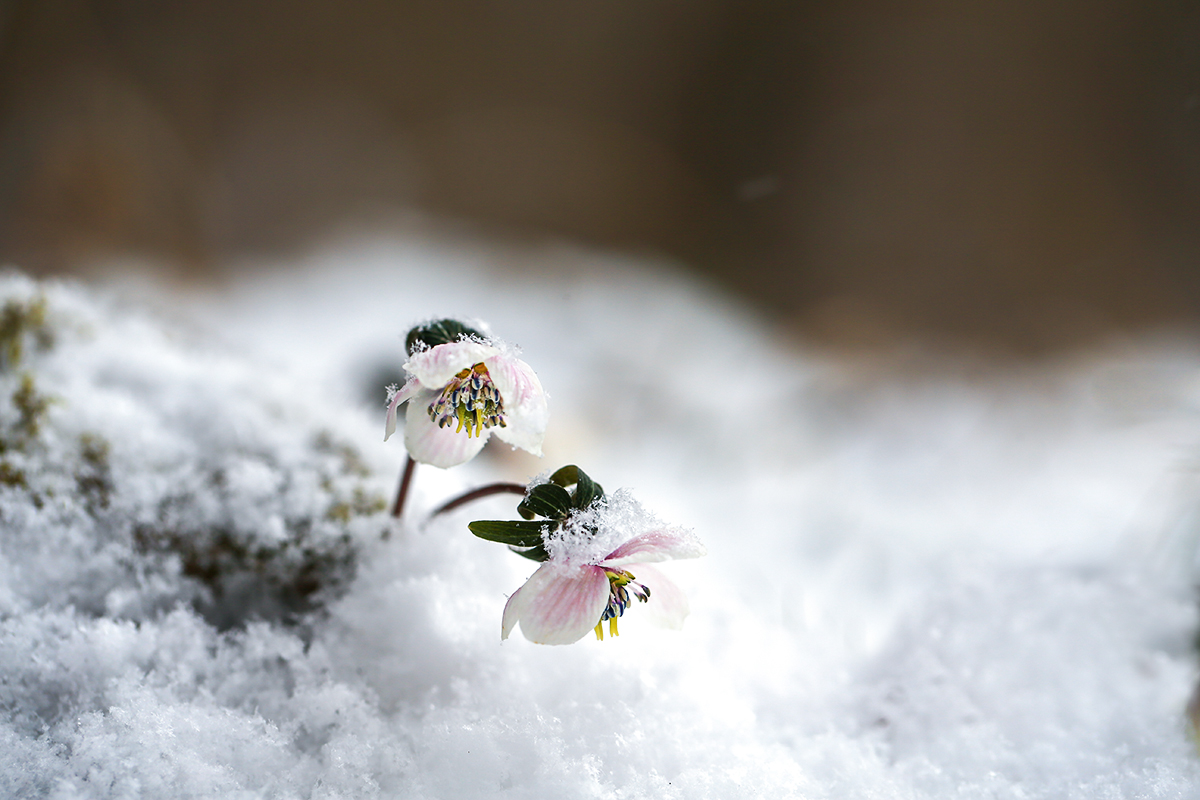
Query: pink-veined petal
440,447
410,388
436,366
667,606
516,605
516,381
660,545
525,409
558,604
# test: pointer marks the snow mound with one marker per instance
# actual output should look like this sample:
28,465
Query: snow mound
915,587
140,470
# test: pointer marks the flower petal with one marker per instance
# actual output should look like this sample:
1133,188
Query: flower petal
525,431
516,381
516,605
525,409
429,444
410,388
436,366
667,606
559,604
659,545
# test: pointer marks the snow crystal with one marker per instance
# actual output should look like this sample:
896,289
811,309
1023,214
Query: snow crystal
591,534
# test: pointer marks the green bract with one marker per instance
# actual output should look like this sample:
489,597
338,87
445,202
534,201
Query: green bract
443,331
554,501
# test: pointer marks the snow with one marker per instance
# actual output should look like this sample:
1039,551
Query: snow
943,579
593,534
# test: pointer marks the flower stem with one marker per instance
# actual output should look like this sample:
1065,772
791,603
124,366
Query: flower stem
402,492
476,494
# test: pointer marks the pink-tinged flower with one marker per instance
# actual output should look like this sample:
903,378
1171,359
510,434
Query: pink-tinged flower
572,593
459,393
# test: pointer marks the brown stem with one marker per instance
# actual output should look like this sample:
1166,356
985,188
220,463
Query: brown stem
402,492
475,494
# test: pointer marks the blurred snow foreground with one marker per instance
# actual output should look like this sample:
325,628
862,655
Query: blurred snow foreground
916,586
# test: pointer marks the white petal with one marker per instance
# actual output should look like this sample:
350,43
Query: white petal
525,428
436,366
660,545
558,604
409,389
440,447
667,606
525,409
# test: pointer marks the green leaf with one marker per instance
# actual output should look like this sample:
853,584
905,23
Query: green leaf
443,331
587,491
546,500
566,476
534,553
520,534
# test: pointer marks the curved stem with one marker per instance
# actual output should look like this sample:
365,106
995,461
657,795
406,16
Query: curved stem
402,493
476,494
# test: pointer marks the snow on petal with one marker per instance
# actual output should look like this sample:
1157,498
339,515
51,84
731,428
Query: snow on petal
658,545
439,447
410,389
559,603
436,366
667,606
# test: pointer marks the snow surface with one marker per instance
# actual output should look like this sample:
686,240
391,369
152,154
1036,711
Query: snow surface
920,583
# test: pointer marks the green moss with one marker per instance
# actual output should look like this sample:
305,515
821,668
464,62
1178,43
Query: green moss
31,406
94,476
12,476
362,504
339,512
286,581
351,462
247,575
21,321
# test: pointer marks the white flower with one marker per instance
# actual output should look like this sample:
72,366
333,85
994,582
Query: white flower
567,597
461,392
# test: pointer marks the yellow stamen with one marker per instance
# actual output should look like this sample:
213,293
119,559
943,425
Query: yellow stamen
612,626
600,631
462,417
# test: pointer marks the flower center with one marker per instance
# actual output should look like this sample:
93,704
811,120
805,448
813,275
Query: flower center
618,599
470,398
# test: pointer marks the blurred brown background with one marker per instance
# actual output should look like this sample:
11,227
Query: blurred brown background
1021,171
